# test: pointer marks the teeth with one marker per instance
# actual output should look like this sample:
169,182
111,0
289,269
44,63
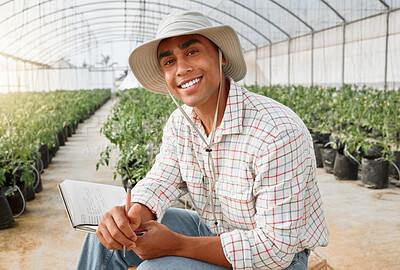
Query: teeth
191,83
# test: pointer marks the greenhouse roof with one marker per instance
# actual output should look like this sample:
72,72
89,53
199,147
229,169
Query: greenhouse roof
45,32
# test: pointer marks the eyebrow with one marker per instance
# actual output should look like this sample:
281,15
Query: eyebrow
182,46
186,44
164,54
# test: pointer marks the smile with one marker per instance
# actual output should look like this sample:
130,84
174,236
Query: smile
191,83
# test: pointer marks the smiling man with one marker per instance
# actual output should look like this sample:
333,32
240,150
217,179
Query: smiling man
245,160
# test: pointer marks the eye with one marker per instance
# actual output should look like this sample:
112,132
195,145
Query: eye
192,52
168,62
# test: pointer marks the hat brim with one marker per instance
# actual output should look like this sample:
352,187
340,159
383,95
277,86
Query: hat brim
144,63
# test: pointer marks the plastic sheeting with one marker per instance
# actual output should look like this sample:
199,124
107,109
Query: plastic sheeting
352,54
100,34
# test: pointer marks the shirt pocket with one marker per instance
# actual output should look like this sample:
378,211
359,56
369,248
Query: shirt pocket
193,177
237,202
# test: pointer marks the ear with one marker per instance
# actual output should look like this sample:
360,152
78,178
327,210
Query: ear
223,60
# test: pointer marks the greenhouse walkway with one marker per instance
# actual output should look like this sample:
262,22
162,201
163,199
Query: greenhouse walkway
43,237
364,224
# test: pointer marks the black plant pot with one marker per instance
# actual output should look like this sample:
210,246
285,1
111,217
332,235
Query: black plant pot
392,170
318,156
61,138
321,137
53,149
328,157
74,127
57,143
345,168
17,201
69,130
375,173
30,193
39,165
52,152
65,131
374,152
37,184
44,152
6,216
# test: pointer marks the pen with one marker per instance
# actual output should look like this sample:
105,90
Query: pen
127,207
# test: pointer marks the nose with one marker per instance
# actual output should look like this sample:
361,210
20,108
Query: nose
183,67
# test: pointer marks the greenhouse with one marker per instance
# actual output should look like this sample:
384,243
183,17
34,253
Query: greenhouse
275,122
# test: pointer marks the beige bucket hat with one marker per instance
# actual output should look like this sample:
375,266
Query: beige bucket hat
144,63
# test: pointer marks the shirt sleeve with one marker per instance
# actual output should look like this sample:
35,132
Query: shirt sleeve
160,188
283,170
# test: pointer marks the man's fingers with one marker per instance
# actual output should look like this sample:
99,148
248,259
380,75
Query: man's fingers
134,214
107,241
115,229
122,233
123,224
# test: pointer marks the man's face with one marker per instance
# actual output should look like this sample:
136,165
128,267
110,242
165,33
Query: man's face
190,67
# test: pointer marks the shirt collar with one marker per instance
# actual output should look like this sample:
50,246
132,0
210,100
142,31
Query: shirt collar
233,115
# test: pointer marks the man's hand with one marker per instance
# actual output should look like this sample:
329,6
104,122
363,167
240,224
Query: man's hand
157,241
116,229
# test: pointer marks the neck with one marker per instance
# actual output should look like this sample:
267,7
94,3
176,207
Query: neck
206,112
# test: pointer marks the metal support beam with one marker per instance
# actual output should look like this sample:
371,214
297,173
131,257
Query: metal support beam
386,49
255,65
386,42
262,17
75,40
343,52
24,60
344,34
8,76
148,2
270,64
289,42
312,58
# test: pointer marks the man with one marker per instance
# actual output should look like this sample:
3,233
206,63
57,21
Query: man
246,161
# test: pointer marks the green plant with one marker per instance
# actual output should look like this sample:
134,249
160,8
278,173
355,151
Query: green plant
135,129
30,119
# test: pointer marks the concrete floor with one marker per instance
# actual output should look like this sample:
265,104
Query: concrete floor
364,224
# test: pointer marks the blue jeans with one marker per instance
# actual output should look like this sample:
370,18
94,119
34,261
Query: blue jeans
95,256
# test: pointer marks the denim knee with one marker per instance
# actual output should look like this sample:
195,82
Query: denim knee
300,261
181,221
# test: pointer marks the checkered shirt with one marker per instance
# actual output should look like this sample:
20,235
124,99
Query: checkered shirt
266,199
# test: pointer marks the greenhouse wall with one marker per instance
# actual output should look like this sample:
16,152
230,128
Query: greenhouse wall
318,58
33,79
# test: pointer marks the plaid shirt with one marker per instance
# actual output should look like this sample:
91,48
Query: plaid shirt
266,199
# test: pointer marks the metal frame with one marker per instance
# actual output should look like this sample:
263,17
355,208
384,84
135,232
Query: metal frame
88,38
386,41
344,35
125,8
289,40
80,37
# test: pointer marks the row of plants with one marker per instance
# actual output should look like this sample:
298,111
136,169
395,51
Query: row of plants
362,125
33,125
135,128
356,123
